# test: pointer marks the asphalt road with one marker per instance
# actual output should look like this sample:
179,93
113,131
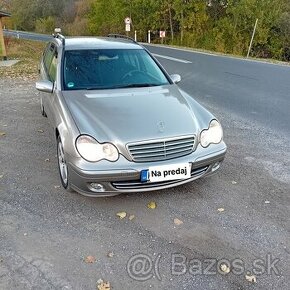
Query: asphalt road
46,233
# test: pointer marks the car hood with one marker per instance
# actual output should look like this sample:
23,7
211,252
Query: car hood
129,115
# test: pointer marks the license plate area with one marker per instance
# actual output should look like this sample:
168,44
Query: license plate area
166,172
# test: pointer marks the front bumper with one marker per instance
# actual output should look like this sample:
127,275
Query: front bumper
115,181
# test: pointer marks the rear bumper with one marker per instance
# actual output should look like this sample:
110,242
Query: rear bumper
117,181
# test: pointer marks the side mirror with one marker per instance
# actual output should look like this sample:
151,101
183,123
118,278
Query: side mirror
176,78
44,86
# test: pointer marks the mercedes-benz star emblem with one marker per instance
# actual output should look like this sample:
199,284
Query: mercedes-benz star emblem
161,126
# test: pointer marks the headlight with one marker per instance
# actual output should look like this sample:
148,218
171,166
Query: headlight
93,151
214,134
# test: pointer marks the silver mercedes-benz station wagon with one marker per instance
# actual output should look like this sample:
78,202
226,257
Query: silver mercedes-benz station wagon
120,121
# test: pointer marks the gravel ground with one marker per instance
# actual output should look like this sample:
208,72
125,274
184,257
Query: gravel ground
46,233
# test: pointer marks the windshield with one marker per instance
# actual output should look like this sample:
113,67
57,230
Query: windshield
110,69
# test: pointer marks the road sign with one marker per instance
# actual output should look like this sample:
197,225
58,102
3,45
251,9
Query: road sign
162,34
127,20
128,27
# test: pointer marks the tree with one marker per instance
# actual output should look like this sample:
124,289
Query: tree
107,16
26,12
77,20
45,25
220,25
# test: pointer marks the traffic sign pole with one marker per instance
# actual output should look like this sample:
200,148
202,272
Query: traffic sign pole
128,22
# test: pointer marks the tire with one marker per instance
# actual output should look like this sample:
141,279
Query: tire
62,166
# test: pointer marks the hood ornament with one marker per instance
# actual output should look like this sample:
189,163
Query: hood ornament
161,126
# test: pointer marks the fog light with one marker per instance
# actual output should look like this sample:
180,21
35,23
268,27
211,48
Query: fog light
97,187
215,167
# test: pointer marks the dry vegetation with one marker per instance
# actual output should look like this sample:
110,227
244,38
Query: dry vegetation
28,53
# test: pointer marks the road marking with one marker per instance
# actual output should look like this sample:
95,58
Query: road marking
171,58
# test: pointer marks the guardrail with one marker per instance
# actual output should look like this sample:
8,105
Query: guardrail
27,35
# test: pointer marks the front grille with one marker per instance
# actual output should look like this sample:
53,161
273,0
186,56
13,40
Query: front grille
137,184
159,150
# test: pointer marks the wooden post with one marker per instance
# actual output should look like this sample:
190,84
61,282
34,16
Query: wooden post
2,42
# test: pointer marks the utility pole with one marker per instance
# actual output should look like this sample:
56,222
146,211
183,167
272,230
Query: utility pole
253,35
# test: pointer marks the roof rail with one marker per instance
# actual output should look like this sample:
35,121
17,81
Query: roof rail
58,35
113,35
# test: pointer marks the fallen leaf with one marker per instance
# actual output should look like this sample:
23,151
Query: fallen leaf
178,222
251,278
57,186
40,131
151,205
104,286
221,209
90,259
234,182
131,217
122,214
110,254
47,160
2,133
225,268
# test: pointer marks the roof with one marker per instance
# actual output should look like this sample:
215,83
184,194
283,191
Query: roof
72,43
4,14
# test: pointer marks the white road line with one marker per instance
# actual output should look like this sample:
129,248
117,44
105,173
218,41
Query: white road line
171,58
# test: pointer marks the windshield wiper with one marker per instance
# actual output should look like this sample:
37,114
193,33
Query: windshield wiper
141,85
123,86
98,88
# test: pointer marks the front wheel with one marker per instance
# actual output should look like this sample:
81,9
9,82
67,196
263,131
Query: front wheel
62,165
